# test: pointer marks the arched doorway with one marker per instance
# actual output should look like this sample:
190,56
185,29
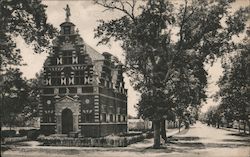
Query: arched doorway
67,121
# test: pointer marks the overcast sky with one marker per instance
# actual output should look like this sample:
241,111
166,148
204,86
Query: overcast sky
85,15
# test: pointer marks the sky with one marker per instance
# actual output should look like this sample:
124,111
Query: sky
84,14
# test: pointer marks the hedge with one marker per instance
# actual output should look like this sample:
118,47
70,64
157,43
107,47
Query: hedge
8,133
109,141
33,134
8,140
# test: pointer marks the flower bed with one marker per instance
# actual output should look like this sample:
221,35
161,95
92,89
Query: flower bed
108,141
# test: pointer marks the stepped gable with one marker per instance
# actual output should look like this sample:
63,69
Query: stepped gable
83,91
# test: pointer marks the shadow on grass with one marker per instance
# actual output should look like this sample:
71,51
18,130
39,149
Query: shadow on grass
247,141
226,145
187,138
240,134
182,132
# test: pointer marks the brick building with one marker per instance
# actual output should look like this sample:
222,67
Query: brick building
83,90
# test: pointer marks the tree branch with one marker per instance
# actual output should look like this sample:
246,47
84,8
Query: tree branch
112,6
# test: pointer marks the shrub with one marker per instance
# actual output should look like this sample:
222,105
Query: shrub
33,134
23,132
8,133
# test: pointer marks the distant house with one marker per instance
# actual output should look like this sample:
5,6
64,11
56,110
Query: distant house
83,90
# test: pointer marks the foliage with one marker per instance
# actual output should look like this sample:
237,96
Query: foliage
19,98
166,67
25,18
234,83
8,133
35,85
213,116
14,95
155,61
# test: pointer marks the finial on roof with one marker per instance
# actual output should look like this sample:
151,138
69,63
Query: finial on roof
67,10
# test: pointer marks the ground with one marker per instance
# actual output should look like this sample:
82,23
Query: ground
198,141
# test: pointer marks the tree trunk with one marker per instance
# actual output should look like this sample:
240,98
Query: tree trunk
157,141
239,125
163,131
248,123
244,126
179,125
152,127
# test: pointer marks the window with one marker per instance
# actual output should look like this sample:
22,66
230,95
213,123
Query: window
78,77
56,78
124,118
48,117
67,30
67,58
81,59
118,110
111,118
119,118
104,118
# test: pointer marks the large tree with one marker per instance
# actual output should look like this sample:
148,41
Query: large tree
165,66
234,84
27,19
19,97
14,96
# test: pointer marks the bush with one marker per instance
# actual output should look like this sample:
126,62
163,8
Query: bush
14,139
33,134
23,132
8,133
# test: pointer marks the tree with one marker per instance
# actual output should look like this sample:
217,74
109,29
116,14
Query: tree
31,109
234,85
169,73
14,95
19,97
25,18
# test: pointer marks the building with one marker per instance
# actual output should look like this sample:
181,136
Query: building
83,90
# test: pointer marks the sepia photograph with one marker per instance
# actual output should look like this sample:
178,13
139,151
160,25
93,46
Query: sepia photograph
125,78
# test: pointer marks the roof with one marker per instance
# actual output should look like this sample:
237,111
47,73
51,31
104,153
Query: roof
67,24
93,54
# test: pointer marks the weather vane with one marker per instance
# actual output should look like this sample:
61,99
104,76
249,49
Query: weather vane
67,9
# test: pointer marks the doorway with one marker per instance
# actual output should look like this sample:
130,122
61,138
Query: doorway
67,121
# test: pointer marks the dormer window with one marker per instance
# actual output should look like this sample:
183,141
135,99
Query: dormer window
67,30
